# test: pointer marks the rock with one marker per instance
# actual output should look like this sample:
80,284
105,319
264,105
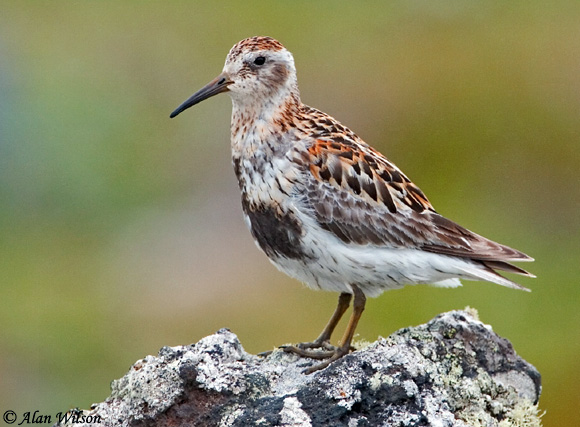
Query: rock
452,371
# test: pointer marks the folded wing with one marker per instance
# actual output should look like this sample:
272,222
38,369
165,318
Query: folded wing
355,193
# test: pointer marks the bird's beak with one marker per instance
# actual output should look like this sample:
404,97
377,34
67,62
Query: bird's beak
218,85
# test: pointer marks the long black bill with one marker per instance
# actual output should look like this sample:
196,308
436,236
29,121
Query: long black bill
218,85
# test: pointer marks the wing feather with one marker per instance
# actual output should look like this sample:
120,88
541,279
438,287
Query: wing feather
362,198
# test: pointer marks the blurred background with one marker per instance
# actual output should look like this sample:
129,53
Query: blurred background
121,230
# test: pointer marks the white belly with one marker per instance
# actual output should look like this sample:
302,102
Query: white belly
333,265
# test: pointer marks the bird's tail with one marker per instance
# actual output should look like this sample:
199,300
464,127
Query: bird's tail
486,270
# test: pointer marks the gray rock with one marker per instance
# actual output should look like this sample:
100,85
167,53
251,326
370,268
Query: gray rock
452,371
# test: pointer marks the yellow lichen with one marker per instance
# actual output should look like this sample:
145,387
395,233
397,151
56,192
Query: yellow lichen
524,414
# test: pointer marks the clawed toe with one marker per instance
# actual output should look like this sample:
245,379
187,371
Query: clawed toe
330,355
337,354
326,350
302,352
325,345
305,349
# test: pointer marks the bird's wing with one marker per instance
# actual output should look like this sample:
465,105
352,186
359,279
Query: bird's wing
355,193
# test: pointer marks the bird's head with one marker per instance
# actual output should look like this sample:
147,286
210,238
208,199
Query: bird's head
258,70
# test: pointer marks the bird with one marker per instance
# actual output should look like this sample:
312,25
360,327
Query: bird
327,208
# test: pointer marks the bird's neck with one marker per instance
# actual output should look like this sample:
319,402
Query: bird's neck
258,124
260,135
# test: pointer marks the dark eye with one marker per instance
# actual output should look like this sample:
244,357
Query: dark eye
260,60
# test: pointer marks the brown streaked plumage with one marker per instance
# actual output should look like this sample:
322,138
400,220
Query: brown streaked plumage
327,208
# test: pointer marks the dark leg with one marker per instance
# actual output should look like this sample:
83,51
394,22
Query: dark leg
324,338
345,344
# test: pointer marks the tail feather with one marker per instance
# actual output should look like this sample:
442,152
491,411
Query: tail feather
484,272
506,266
456,240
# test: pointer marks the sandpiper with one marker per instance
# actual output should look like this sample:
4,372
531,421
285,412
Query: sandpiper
327,208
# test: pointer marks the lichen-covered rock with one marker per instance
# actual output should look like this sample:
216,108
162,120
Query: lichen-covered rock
452,371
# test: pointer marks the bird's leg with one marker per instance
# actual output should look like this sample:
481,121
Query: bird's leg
358,307
345,344
323,340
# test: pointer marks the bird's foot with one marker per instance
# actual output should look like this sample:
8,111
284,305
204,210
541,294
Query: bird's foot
312,354
303,349
329,352
324,345
330,356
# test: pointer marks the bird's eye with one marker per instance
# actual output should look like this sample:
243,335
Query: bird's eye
260,60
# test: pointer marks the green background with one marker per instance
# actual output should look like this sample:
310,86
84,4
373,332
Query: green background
121,230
